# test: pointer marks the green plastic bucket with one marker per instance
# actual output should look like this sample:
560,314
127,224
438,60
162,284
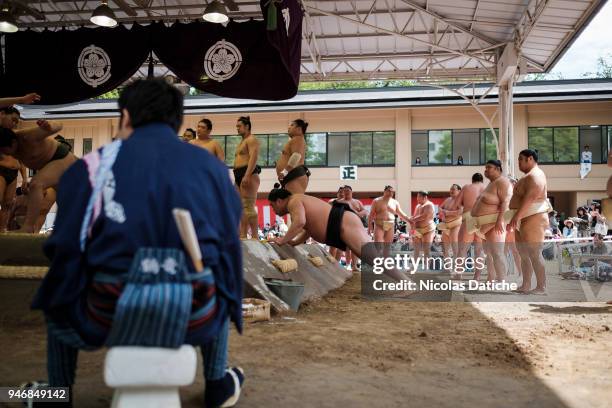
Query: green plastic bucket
289,291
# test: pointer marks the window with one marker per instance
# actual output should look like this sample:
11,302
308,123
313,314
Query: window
221,141
466,143
316,149
361,148
262,158
440,146
384,148
488,149
338,149
592,136
275,147
231,142
565,144
541,140
419,148
87,145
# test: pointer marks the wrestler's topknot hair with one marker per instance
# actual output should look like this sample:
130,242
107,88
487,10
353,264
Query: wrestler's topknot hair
457,186
424,193
301,124
278,193
477,178
246,121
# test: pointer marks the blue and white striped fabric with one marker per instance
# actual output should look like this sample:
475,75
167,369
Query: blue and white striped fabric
155,306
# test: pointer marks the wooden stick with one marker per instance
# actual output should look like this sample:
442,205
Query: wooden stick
186,229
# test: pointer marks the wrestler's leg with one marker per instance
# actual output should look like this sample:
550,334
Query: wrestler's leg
388,236
7,194
446,246
355,237
510,248
453,237
46,177
495,250
249,191
49,200
427,240
532,232
479,252
298,185
379,234
526,266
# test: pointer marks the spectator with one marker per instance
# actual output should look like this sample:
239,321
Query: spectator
570,231
587,154
460,160
553,222
417,161
583,222
449,159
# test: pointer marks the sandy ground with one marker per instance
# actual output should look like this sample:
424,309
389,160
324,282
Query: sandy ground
346,351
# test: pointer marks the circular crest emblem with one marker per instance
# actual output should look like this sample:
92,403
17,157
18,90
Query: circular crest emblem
94,66
222,61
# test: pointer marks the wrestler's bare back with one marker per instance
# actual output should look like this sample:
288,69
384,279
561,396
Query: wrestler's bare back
469,195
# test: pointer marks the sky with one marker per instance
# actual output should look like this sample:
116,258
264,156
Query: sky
595,41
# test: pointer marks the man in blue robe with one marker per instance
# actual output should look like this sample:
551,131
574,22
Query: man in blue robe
99,228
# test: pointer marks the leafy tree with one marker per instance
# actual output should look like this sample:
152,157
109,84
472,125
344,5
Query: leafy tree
604,68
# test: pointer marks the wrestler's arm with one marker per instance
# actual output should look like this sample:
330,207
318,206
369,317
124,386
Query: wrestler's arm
401,212
296,145
40,132
504,192
361,210
24,177
253,146
19,100
300,238
219,152
372,216
298,220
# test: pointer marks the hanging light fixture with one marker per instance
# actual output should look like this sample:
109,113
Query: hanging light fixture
103,16
215,13
8,24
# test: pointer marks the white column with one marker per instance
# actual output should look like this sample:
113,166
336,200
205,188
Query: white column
403,157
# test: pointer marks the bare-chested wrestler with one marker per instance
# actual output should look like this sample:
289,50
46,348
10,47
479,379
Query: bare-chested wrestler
529,208
511,239
290,169
357,207
204,140
336,226
423,224
382,216
450,221
246,176
488,215
9,168
335,252
467,198
37,151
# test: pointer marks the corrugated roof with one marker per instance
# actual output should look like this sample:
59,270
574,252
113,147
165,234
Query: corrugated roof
416,96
